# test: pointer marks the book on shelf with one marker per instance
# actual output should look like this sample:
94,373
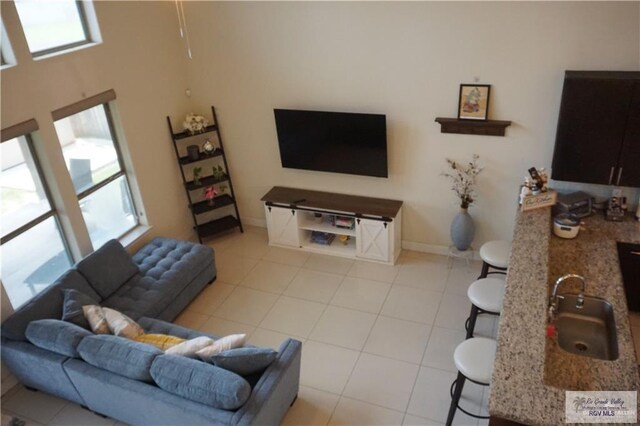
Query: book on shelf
324,238
345,222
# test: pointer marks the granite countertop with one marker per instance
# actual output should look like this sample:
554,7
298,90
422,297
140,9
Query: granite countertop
531,373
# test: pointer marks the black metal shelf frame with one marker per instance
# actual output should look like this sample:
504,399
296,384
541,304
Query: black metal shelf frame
224,223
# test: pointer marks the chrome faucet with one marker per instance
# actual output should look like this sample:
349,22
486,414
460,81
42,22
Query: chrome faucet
553,301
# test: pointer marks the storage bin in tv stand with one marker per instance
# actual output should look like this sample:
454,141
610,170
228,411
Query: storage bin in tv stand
291,218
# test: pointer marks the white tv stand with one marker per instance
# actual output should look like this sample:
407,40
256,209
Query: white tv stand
293,215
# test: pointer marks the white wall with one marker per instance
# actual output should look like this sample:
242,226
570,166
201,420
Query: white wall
143,59
405,60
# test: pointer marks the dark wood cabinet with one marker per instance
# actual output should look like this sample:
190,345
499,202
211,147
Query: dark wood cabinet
598,135
630,155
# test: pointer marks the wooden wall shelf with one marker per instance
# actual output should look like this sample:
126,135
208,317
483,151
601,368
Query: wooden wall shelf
473,127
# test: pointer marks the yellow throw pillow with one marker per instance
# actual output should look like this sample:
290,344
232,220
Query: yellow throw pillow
96,318
121,325
160,341
232,341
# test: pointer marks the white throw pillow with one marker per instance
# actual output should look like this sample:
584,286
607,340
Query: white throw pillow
224,344
122,325
96,318
190,347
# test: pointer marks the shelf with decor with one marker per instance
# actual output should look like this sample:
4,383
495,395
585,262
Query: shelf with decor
210,194
473,127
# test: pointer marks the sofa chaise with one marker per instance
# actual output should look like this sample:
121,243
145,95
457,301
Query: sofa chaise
152,287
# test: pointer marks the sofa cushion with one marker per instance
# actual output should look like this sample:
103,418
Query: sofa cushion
167,267
46,305
200,382
56,336
108,268
245,361
72,307
141,296
119,355
166,258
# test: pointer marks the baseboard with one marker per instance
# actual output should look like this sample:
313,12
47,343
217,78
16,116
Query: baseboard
254,221
431,248
407,245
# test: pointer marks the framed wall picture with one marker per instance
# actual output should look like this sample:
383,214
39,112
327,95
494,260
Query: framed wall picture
474,101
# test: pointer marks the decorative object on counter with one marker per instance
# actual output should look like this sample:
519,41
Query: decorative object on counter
616,208
193,152
540,180
473,103
208,147
463,179
217,172
566,225
196,175
210,194
537,201
534,192
195,123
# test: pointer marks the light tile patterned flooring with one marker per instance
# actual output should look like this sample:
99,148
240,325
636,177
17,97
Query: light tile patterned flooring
377,340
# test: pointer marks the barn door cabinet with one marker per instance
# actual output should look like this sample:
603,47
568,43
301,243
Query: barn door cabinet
295,216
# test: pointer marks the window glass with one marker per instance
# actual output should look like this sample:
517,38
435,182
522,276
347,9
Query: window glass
32,261
51,25
91,153
22,194
88,147
32,252
108,212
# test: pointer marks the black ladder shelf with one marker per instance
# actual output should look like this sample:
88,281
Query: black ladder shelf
206,227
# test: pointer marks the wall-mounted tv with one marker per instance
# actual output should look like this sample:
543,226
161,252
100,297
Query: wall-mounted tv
337,142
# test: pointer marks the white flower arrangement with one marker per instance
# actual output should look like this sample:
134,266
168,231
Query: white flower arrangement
463,179
195,123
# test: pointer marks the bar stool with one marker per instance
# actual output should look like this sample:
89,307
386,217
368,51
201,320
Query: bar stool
495,255
486,296
474,360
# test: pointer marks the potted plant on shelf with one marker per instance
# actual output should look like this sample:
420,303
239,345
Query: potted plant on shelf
195,123
196,176
210,194
463,179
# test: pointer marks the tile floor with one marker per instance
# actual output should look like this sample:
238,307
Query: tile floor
377,340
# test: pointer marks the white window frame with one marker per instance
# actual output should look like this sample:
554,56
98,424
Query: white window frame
103,100
89,23
25,130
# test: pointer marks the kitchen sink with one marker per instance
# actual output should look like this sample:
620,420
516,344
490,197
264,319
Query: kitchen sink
589,330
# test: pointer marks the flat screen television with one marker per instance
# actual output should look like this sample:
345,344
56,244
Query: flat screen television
336,142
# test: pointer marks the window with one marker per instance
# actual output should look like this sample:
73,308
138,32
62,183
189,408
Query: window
6,53
52,26
34,252
94,162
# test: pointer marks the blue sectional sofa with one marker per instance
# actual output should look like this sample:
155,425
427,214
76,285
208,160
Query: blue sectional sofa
152,287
